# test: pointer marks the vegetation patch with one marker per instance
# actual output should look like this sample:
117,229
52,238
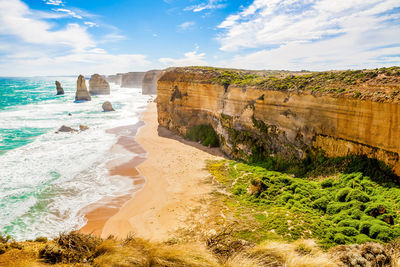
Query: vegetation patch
345,209
205,134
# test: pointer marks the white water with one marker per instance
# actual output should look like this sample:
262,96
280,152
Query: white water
45,185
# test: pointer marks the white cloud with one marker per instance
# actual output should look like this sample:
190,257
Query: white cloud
210,4
192,58
90,24
69,12
30,45
54,2
315,34
186,25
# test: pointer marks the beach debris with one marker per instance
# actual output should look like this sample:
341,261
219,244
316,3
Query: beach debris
66,129
98,85
82,93
83,127
60,90
69,114
107,106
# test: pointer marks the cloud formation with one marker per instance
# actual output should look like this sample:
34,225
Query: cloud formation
208,5
192,58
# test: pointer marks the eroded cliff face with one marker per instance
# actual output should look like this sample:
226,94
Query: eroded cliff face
132,79
150,79
361,117
98,85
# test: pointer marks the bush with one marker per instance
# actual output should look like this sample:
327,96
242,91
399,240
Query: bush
357,195
205,134
340,238
381,232
349,231
327,183
350,223
342,194
321,203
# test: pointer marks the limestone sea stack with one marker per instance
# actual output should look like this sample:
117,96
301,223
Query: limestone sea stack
98,85
150,79
107,106
82,93
60,90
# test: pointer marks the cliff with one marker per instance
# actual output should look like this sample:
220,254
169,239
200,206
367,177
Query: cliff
287,114
117,78
132,79
150,79
98,85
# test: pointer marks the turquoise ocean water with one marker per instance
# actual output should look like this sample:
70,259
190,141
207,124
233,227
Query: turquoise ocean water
47,179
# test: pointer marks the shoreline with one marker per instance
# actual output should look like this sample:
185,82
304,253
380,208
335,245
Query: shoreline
98,213
175,176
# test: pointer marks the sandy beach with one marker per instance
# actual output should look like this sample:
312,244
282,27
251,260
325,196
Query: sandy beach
174,174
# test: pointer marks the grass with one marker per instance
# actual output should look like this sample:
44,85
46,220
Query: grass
344,209
205,134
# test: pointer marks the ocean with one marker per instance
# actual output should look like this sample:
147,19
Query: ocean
48,178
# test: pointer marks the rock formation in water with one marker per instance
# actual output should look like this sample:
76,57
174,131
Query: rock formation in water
66,129
150,79
287,114
60,90
132,79
83,128
98,85
82,94
107,106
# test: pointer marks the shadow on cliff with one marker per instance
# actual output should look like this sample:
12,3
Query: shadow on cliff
164,132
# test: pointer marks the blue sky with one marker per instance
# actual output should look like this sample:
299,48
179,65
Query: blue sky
57,37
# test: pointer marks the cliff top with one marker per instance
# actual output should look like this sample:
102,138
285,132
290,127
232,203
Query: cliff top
380,85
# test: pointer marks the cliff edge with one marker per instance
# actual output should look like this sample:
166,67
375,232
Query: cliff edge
260,114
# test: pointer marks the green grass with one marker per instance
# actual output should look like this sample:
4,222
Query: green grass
204,134
344,209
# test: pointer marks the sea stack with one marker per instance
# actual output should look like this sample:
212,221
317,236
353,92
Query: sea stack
82,93
98,85
60,90
107,106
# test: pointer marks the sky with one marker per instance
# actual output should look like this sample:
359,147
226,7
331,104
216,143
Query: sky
69,37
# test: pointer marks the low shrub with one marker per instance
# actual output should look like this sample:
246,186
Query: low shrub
205,134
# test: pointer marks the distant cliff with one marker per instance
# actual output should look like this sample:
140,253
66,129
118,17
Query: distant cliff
270,113
149,85
117,78
132,79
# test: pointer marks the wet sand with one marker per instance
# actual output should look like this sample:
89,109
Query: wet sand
175,179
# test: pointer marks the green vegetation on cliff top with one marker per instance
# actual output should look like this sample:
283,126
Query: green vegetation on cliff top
347,82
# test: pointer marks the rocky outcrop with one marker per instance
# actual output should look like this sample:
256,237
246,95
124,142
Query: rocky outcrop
60,90
107,106
82,94
287,114
149,84
66,129
132,79
98,85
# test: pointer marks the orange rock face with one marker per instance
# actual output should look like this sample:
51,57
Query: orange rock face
273,122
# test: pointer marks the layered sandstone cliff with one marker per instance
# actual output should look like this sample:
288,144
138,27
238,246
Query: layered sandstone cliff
98,85
132,79
149,84
287,114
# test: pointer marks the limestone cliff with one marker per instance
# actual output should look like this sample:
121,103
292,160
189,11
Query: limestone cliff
132,79
117,78
287,114
98,85
82,94
149,84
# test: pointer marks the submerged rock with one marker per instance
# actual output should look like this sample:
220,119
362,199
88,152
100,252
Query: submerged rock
82,94
107,106
98,85
66,129
60,90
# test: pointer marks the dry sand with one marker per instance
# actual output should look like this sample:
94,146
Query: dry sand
175,178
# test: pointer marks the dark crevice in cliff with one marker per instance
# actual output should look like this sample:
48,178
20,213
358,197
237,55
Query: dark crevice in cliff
176,94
